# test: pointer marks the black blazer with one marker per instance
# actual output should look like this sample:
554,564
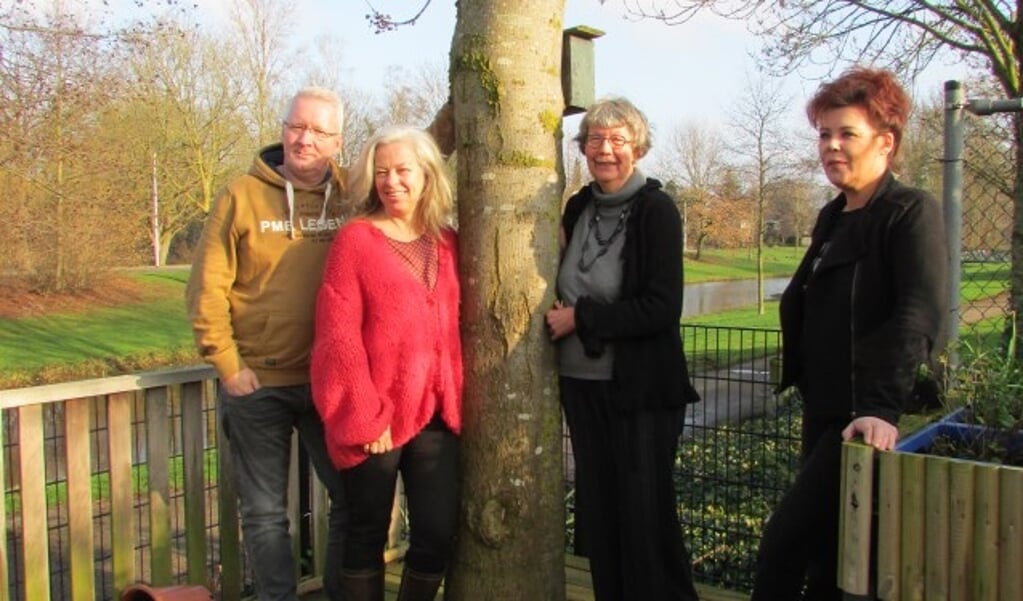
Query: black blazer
650,370
899,305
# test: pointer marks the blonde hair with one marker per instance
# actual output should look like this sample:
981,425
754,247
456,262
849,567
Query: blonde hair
435,208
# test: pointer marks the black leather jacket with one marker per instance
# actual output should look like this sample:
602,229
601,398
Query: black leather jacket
899,304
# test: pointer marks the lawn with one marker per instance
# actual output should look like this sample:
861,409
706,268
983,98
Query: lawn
153,331
740,263
141,334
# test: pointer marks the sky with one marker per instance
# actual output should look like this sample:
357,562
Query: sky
690,73
695,72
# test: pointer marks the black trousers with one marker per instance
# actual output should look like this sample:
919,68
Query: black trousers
625,496
799,547
429,470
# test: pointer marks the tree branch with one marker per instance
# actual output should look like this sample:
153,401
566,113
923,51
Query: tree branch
381,22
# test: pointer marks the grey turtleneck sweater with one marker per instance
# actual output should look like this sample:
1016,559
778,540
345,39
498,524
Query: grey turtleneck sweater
592,267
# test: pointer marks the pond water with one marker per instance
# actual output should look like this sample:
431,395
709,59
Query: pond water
710,297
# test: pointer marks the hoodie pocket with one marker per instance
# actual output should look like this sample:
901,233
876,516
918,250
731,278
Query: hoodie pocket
283,343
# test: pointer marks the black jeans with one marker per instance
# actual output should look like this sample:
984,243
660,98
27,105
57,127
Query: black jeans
625,495
429,470
800,542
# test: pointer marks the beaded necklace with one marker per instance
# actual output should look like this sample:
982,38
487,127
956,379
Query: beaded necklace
602,243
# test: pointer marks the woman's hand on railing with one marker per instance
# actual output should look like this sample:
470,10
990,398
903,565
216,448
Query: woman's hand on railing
876,432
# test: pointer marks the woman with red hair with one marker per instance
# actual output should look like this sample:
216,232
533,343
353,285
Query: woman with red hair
866,308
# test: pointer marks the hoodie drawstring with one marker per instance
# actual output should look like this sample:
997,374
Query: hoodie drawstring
289,191
323,211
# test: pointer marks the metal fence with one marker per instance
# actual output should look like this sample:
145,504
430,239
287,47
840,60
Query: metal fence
738,453
979,179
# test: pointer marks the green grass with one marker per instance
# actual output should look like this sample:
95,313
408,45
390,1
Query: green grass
102,341
56,492
740,263
155,333
983,280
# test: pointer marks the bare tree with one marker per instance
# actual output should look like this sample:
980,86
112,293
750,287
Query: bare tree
906,35
694,156
57,79
186,117
508,105
262,28
415,94
760,139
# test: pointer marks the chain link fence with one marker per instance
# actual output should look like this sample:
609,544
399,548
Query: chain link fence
985,244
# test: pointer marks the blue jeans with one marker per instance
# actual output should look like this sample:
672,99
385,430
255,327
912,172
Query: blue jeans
259,427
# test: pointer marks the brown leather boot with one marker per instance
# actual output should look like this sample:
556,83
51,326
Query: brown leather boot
417,586
363,585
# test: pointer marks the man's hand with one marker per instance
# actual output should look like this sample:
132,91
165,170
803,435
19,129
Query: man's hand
242,383
560,320
876,432
380,445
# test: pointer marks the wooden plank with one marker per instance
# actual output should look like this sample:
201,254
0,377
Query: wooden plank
158,463
5,498
396,526
122,514
320,527
936,522
961,510
34,537
855,521
192,442
230,540
52,393
985,540
911,579
294,511
1010,534
889,526
79,499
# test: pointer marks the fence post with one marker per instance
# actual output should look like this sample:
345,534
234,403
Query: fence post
952,202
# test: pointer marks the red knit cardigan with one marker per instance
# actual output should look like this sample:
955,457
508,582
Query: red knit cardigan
387,350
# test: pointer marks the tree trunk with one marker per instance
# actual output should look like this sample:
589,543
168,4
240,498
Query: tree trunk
505,76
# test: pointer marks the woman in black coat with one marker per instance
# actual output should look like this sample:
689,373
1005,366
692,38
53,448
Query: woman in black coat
624,382
865,310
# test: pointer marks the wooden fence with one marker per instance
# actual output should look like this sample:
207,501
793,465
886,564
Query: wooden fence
118,480
941,529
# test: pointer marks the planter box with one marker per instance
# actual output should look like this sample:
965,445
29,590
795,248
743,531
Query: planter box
936,527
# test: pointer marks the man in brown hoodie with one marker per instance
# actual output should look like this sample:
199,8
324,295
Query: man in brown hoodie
251,298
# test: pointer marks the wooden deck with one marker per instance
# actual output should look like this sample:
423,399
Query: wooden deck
577,584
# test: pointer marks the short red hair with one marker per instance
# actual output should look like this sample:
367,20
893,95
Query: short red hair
876,91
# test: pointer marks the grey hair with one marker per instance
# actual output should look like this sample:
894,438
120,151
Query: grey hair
616,112
329,96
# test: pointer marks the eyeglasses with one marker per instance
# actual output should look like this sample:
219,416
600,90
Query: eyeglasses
299,128
617,142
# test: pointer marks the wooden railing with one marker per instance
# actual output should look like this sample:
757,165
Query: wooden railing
125,479
918,526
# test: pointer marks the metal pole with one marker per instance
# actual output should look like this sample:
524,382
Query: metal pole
155,205
952,202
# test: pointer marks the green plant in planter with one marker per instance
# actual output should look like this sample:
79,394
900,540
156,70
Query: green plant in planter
989,388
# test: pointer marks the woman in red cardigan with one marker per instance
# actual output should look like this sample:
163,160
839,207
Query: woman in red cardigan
387,362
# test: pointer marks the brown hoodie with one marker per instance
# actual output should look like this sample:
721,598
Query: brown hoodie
257,269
